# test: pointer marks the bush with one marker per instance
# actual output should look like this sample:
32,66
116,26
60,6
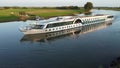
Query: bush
22,13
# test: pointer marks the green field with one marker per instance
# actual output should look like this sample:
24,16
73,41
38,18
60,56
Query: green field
13,14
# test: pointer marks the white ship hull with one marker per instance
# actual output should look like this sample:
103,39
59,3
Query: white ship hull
54,29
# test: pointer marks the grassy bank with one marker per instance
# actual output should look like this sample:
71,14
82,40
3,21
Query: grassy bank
8,18
29,13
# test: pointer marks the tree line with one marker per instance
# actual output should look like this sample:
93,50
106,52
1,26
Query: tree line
61,7
68,7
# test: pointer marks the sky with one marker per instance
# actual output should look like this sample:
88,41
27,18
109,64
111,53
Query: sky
53,3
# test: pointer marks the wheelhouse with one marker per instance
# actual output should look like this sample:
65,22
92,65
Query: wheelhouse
38,27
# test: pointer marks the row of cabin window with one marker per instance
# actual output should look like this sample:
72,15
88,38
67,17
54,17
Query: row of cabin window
59,24
93,20
60,28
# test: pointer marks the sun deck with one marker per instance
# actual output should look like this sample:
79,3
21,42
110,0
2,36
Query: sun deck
56,20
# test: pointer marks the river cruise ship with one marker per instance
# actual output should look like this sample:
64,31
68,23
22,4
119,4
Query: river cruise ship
63,23
71,33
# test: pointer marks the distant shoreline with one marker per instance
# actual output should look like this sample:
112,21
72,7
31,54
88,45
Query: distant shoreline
8,14
108,8
22,14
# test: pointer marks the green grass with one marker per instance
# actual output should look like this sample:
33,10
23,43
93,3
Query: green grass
8,18
58,13
6,14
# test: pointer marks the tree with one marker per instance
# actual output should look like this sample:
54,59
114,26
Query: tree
6,7
88,6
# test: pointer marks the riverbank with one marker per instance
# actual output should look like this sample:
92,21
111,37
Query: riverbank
108,8
15,14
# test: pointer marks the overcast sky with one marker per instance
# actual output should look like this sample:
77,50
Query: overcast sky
51,3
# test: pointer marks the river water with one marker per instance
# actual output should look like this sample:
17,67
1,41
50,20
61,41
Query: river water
94,46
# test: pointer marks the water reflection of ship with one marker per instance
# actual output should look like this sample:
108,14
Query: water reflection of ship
64,33
93,27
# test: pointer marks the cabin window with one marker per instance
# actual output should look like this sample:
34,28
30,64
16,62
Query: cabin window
53,29
56,28
65,27
38,27
59,28
49,29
